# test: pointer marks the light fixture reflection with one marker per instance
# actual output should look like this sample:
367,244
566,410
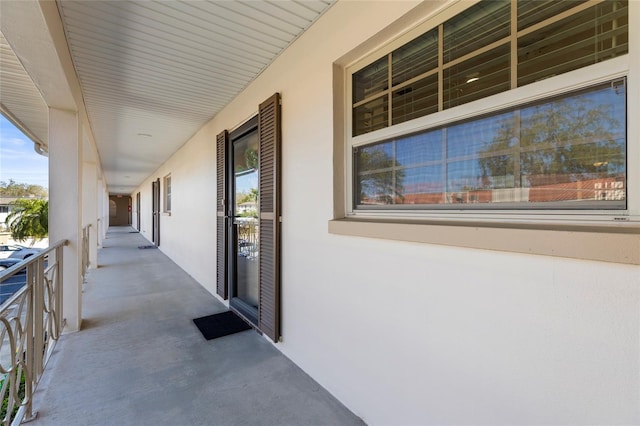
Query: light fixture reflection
474,76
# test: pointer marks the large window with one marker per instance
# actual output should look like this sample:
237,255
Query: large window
565,150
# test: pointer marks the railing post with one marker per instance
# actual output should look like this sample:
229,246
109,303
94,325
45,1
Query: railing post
29,368
38,315
59,288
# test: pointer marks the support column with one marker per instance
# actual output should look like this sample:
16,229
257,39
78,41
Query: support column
99,201
65,206
90,210
105,210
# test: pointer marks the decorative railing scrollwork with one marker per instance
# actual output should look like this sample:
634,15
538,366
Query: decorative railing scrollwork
30,325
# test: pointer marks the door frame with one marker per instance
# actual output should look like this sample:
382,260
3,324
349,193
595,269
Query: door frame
269,213
138,211
236,304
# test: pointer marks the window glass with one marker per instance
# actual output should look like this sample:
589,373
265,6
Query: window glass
377,172
421,148
403,171
596,34
574,148
371,116
533,12
415,58
371,80
415,100
473,181
476,27
567,152
557,37
481,137
422,185
477,78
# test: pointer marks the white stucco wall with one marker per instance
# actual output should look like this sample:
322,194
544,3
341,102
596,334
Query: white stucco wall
407,333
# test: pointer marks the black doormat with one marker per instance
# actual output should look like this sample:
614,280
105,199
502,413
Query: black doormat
219,325
147,247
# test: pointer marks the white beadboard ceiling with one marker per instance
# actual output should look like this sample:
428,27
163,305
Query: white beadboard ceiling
153,72
20,100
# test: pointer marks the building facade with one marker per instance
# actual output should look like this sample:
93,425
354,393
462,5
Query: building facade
453,216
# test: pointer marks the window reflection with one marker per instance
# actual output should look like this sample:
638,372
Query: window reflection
419,149
480,137
565,153
379,180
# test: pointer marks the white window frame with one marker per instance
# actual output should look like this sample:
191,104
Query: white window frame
624,66
166,195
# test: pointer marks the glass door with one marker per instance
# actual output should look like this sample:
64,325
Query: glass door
244,286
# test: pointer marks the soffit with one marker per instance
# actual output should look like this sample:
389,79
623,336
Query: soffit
152,73
20,100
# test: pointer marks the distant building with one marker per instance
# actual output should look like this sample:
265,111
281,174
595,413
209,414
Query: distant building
249,206
5,209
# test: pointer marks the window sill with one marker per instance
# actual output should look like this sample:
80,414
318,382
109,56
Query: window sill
618,243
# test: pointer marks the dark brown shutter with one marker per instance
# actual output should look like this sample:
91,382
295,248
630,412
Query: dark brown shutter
155,206
221,249
269,134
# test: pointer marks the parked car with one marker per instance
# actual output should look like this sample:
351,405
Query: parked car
8,263
15,282
15,251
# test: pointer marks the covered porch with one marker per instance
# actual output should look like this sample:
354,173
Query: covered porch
408,314
139,359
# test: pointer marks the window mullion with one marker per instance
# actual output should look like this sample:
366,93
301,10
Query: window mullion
516,149
390,94
440,63
394,169
445,183
514,44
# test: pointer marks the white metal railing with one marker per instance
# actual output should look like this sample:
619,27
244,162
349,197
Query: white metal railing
85,249
30,325
248,237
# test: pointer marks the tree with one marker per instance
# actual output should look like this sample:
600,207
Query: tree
14,189
29,218
563,141
247,197
380,180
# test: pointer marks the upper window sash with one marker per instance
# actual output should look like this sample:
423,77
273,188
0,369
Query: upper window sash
479,52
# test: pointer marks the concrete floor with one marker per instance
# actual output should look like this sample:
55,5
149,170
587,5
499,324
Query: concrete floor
140,360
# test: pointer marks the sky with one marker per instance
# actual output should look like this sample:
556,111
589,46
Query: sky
18,160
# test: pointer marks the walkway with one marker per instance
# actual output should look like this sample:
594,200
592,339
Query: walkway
140,360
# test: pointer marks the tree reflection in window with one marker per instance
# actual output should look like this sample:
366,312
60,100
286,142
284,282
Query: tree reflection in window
380,180
565,150
566,153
